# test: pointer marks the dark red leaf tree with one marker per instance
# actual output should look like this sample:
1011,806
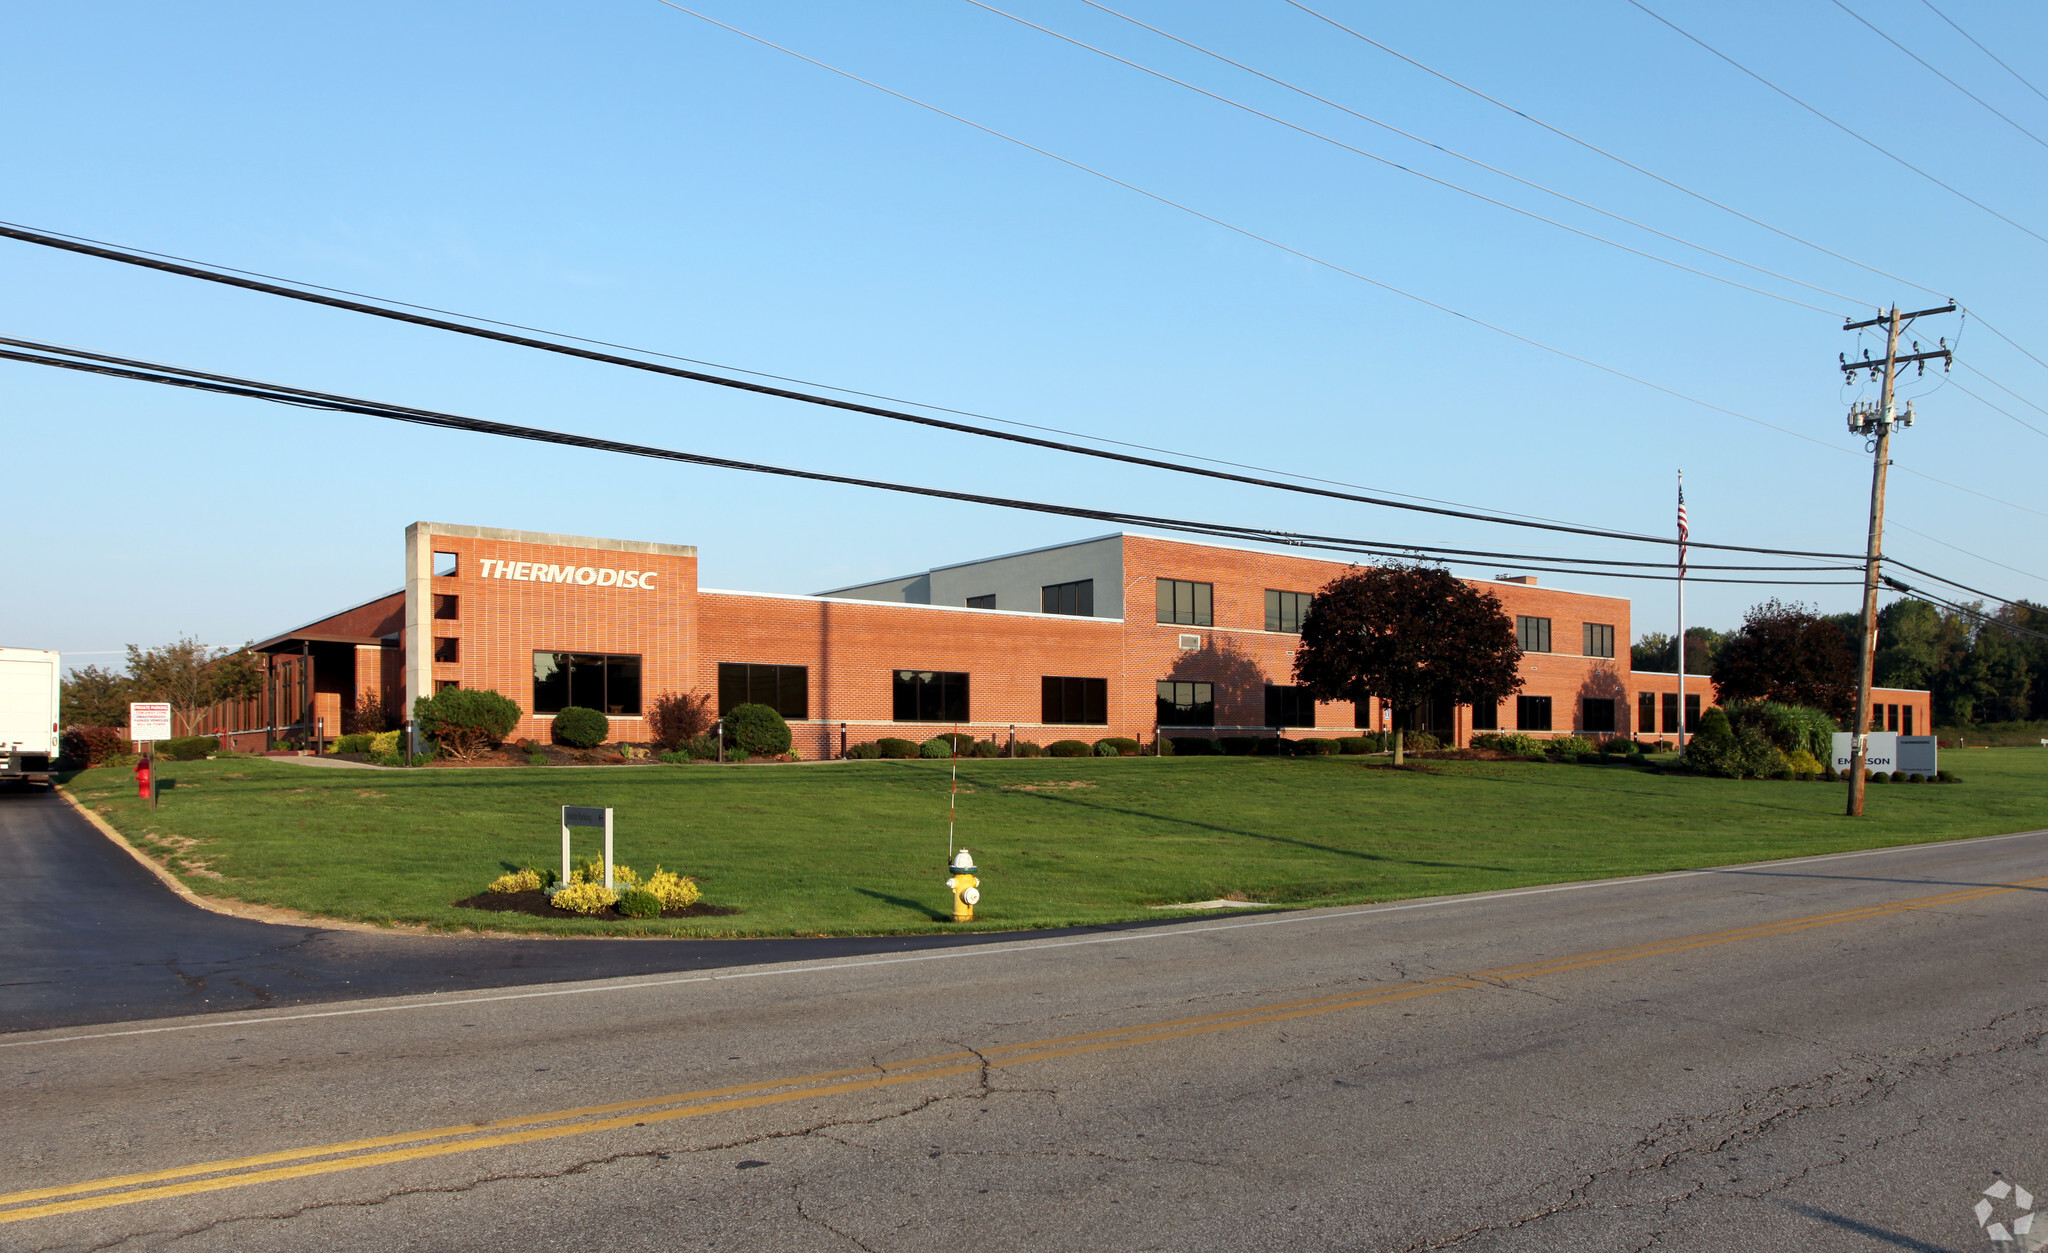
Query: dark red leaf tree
1407,634
1791,654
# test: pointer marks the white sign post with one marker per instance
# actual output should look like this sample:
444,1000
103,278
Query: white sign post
149,720
586,816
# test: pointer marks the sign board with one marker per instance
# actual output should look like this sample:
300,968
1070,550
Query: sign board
587,816
149,720
1881,751
1918,754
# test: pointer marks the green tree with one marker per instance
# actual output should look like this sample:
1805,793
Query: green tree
1654,652
94,696
1408,634
1790,654
1995,678
191,676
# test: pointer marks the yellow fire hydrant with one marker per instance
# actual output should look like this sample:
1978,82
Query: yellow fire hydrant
966,887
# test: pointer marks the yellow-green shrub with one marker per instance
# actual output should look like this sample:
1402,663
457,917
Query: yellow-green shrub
527,880
1802,762
675,891
385,741
592,871
586,898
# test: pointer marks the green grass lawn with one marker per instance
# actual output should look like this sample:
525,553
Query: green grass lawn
859,847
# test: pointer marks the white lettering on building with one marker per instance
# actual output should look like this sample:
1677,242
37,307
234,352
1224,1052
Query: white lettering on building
582,576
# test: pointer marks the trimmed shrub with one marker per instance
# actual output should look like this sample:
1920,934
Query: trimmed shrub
1616,744
526,880
673,757
1069,748
639,903
1570,746
1106,750
1916,777
385,742
1876,776
1194,746
940,747
676,718
1119,746
1802,762
1314,748
1358,745
1029,748
188,747
1943,776
1828,774
1162,747
757,731
893,747
358,743
465,721
1416,742
93,745
585,898
986,749
866,750
579,727
1790,727
1714,725
674,891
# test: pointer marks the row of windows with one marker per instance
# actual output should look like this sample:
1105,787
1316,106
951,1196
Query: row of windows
1596,639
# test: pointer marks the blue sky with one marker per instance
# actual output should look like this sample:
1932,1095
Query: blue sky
629,172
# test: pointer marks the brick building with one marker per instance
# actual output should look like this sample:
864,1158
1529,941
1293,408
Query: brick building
1117,635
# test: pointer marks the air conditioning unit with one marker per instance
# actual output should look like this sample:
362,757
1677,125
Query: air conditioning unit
1190,643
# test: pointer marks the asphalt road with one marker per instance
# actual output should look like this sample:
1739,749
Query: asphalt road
1837,1053
90,936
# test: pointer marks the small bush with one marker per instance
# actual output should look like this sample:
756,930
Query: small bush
1513,742
1617,744
676,718
866,750
1943,776
1120,746
757,731
585,898
1802,762
1828,775
385,742
1876,776
370,716
1068,748
356,743
581,728
1916,777
897,748
673,757
465,721
1314,748
188,747
939,747
1570,745
1030,748
93,745
1162,747
673,890
1105,750
639,903
1358,745
1534,757
702,748
527,880
984,749
1194,746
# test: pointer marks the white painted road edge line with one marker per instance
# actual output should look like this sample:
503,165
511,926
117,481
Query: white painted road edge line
1022,946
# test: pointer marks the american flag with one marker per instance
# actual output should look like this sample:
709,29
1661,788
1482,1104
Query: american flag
1684,531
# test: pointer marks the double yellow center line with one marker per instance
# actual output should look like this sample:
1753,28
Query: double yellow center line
412,1146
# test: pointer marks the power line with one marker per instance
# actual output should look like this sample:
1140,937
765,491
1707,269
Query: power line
1981,48
1862,139
1270,242
1997,409
178,376
1314,134
1967,553
1980,616
1594,148
193,271
1937,73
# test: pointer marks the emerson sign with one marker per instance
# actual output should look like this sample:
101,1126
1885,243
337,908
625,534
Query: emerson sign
587,576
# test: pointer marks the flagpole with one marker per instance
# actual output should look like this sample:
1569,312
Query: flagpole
1682,531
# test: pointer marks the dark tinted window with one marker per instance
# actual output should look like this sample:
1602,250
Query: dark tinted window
1065,700
1186,704
609,684
1646,713
929,696
1532,713
447,649
1486,716
1289,706
1599,713
447,605
1670,713
1076,598
1285,610
1599,640
785,689
1533,634
1692,713
1186,604
982,602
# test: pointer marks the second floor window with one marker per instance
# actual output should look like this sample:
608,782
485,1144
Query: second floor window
1599,639
985,602
1285,610
1076,598
1186,604
930,696
1533,634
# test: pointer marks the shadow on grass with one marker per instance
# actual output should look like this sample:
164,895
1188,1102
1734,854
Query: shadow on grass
904,902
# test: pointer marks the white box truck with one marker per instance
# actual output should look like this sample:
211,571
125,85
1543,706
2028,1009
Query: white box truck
28,713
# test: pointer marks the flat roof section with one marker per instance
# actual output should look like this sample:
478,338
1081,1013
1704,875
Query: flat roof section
457,531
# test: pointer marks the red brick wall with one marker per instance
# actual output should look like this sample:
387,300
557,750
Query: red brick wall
1882,700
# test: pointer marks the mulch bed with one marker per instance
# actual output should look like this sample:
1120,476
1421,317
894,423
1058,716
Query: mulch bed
536,903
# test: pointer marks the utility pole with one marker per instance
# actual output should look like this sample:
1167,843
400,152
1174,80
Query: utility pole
1875,423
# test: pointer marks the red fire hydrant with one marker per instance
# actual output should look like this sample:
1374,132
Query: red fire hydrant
142,782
